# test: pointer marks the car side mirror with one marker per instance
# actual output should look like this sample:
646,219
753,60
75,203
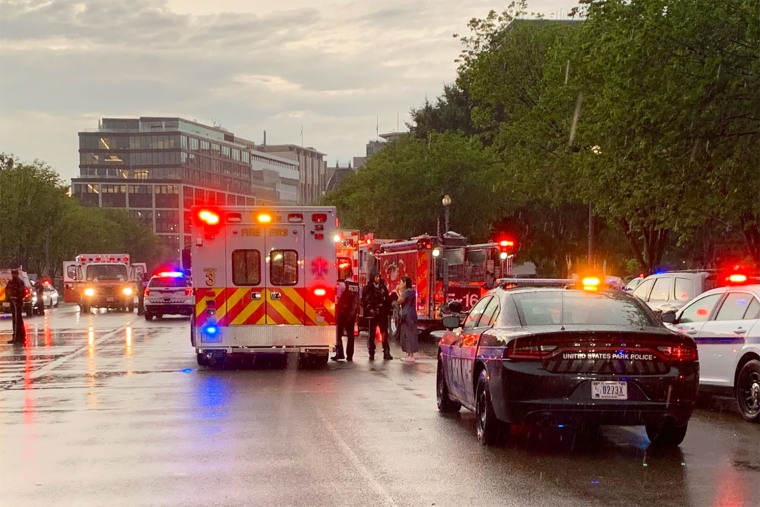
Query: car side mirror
669,317
450,322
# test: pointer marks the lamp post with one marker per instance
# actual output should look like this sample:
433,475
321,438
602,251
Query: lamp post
446,201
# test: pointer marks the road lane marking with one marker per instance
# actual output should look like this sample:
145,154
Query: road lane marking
358,465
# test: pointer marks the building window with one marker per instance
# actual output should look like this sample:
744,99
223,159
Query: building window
140,196
88,194
143,215
167,196
114,196
167,221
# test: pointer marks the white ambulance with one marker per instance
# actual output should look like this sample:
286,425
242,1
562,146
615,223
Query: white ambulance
264,281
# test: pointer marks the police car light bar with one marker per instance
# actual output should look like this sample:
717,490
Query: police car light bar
172,274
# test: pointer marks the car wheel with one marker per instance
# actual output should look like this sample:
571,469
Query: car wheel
748,391
201,358
666,434
148,316
84,309
487,426
443,400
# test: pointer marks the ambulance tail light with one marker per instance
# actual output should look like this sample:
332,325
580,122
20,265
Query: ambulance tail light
319,218
295,218
320,292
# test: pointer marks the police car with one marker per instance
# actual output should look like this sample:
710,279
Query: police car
168,293
725,324
561,356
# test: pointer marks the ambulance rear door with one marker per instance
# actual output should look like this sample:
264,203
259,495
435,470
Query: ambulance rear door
265,282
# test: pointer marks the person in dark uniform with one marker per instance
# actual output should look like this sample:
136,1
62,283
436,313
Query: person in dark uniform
14,293
376,304
348,306
141,284
39,289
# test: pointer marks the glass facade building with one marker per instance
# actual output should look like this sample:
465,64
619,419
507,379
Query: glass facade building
157,168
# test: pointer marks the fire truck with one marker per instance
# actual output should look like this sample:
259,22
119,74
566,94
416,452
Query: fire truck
264,281
442,270
104,280
347,250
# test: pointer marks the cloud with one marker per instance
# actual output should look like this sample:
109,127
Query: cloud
337,69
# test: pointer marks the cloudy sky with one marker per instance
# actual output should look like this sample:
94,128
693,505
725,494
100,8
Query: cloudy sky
339,70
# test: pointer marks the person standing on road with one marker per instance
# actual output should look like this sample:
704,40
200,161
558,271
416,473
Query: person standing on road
142,283
14,293
376,304
407,302
347,296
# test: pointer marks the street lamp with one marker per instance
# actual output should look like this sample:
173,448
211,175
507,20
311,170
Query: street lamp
446,201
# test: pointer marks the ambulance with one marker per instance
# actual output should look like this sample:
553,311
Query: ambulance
102,280
264,281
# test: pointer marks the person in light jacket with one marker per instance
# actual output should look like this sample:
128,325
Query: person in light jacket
407,302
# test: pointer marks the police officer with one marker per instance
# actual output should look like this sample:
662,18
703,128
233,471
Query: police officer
376,303
141,284
347,308
39,289
14,292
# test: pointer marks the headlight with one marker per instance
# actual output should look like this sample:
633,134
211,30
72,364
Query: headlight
127,291
89,291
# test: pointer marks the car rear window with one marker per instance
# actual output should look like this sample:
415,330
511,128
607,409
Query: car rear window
582,308
168,281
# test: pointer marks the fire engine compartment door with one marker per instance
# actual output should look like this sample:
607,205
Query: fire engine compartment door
71,275
266,282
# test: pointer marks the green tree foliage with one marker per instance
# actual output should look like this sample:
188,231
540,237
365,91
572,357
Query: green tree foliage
451,113
669,98
398,193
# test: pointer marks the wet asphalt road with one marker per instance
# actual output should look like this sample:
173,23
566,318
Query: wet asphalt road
109,409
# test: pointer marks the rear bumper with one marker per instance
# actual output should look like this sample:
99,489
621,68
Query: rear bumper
172,308
525,393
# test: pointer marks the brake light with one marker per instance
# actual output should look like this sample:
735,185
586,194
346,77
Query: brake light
27,292
680,352
517,349
320,292
319,218
188,291
147,292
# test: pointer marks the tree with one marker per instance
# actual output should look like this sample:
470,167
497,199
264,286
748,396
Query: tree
398,193
667,101
450,114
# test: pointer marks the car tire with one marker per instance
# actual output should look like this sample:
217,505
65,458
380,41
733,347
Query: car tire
487,427
445,404
201,359
748,391
84,309
148,316
666,434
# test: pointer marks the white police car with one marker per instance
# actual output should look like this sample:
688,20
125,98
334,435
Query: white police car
725,324
168,292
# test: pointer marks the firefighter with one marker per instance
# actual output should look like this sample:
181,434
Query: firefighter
347,308
376,304
14,292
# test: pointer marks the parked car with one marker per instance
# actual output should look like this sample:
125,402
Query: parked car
50,296
557,356
725,324
672,290
168,293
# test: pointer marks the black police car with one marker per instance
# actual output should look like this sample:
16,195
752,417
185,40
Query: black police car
567,357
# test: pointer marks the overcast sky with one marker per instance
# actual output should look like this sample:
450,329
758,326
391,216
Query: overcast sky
339,70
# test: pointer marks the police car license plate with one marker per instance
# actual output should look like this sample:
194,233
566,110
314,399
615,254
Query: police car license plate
606,390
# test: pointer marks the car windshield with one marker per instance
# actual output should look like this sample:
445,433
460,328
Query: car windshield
97,272
581,308
168,281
